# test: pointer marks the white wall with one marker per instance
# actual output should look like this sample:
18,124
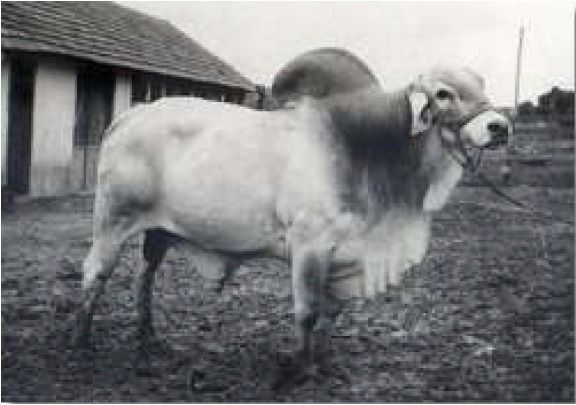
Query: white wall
4,117
122,94
52,128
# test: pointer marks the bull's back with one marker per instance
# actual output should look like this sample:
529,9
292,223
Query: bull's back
209,172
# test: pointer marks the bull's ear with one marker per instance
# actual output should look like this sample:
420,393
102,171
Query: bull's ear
421,112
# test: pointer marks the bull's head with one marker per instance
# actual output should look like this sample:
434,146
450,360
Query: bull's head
449,101
455,102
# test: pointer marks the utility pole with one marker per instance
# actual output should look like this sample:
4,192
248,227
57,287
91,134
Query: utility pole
518,73
507,169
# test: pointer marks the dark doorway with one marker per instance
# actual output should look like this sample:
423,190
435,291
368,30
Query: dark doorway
94,98
20,104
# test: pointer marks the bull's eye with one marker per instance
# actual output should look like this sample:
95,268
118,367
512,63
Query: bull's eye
443,95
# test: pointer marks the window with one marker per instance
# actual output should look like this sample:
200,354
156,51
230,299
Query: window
140,89
156,89
94,96
148,87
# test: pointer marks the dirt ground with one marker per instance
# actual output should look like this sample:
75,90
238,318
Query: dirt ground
487,317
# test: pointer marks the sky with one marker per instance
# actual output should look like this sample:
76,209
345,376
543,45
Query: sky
397,39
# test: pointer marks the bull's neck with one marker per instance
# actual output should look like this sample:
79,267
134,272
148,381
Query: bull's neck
370,119
386,161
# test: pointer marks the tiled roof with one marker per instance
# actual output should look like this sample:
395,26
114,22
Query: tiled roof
108,33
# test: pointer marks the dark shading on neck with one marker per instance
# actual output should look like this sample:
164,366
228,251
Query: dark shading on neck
374,128
371,121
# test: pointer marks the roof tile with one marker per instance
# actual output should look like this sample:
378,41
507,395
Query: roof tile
108,33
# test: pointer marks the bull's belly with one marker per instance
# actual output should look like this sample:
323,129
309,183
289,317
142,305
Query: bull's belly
220,229
223,216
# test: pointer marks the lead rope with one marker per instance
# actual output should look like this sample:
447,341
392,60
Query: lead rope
468,163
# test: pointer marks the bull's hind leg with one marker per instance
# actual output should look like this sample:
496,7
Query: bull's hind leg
98,267
111,230
156,244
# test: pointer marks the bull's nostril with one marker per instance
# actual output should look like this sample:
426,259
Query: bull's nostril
499,134
498,127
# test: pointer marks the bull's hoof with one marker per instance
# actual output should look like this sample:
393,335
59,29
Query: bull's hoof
82,345
292,377
82,339
215,286
149,344
81,322
331,370
294,371
144,366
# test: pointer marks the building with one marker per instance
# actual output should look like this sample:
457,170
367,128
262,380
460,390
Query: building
68,68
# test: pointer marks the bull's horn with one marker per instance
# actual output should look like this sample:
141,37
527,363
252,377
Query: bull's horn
321,73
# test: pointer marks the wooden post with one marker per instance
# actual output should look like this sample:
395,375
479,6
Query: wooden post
507,169
518,73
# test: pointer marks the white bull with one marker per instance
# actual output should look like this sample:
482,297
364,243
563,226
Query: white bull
342,189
